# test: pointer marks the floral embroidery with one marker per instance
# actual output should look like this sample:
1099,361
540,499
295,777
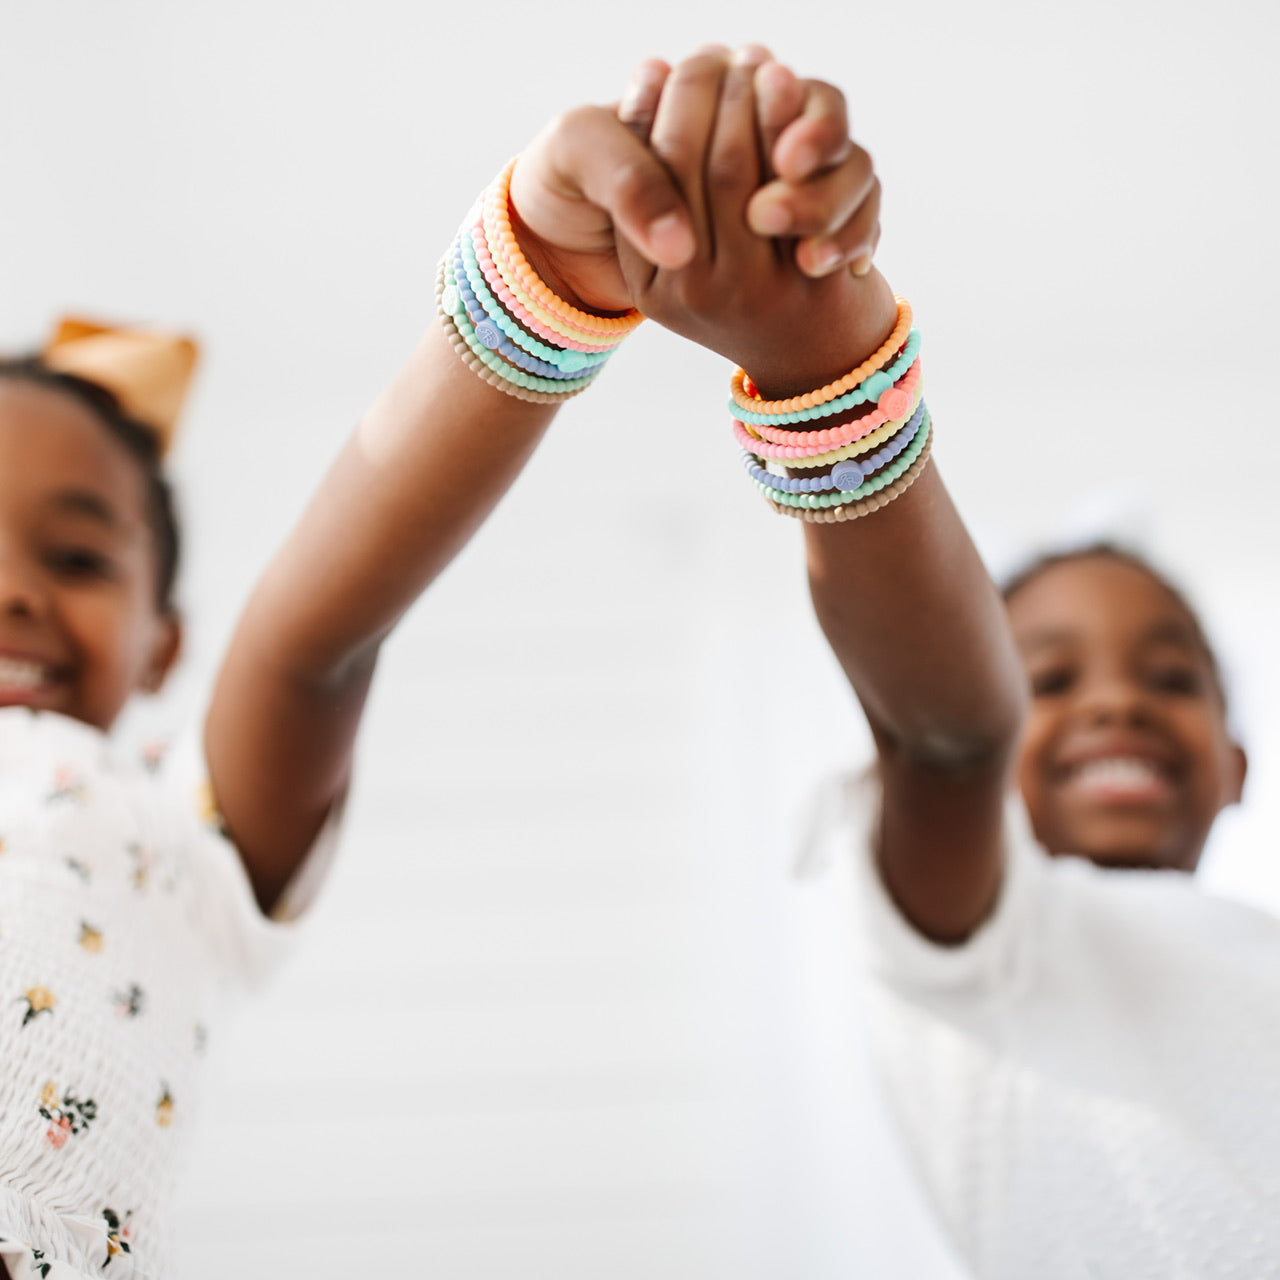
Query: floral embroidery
67,785
200,1037
38,1264
207,806
117,1235
131,1001
90,938
38,1000
80,869
164,1108
67,1115
153,754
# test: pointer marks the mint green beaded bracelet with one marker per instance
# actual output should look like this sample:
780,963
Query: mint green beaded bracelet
508,372
568,360
872,389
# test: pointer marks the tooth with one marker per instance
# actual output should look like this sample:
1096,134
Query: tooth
20,675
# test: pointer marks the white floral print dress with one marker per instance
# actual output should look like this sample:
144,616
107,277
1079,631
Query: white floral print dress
126,920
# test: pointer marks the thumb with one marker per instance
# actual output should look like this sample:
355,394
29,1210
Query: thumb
594,157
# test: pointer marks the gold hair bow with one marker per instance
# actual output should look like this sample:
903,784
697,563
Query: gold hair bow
146,370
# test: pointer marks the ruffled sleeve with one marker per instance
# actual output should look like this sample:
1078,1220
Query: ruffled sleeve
247,944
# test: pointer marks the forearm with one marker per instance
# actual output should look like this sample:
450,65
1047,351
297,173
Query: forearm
919,628
427,464
902,594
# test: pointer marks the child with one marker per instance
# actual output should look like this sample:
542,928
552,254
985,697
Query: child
124,915
1081,1052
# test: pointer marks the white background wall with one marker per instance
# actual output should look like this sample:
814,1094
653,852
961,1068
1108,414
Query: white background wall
562,1013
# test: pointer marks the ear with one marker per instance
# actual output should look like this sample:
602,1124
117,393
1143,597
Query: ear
165,652
1237,770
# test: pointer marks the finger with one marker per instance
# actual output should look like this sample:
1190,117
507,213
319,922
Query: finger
818,206
817,139
639,103
780,98
853,244
592,159
682,129
733,164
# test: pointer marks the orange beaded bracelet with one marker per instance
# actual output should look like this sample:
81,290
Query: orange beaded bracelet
744,392
511,262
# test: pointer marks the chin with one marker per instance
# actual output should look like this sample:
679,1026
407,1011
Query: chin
1124,844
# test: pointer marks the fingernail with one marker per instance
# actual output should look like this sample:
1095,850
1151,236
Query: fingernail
771,219
671,240
750,55
861,265
825,258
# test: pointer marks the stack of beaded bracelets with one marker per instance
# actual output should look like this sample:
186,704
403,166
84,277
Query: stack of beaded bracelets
507,325
863,462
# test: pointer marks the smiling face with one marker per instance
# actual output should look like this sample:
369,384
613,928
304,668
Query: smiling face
1126,758
80,625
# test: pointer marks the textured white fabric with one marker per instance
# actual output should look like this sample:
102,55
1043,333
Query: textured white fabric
125,922
1090,1087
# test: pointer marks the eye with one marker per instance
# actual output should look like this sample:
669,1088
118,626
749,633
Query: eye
81,564
1046,682
1177,678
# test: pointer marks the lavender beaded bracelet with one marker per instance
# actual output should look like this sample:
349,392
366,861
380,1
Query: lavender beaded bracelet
844,476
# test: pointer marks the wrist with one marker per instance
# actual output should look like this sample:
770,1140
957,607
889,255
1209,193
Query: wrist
850,319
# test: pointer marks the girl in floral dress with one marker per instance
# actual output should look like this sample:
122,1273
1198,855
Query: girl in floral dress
135,895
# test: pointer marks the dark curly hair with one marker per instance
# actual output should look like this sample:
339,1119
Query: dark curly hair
141,443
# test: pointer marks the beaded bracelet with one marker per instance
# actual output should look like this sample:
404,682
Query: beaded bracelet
484,370
744,392
570,361
865,488
879,384
506,252
491,331
867,459
805,458
848,473
796,444
856,510
505,323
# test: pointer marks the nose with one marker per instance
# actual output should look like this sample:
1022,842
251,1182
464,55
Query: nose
1114,698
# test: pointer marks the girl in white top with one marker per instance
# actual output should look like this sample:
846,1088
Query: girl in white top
1080,1047
123,913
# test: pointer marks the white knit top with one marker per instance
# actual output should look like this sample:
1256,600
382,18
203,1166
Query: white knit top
125,919
1090,1087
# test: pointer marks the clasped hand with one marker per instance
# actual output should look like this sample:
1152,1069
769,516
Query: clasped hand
723,198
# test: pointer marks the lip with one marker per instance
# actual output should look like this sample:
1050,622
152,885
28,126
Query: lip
27,680
1120,771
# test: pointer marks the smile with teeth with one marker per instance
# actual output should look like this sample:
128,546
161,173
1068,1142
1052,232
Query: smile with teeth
1130,778
22,676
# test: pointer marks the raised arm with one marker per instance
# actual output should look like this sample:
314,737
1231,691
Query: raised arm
901,593
414,482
